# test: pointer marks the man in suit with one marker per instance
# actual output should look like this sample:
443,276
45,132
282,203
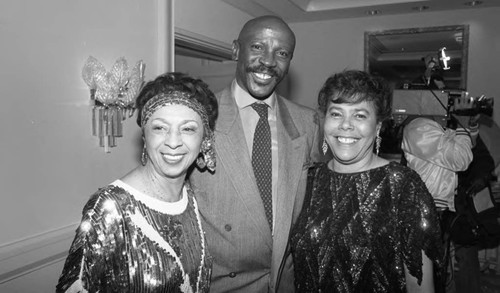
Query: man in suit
249,243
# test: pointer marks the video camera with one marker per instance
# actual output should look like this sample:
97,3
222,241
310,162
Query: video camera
477,105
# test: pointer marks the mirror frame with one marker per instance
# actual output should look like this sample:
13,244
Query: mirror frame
411,31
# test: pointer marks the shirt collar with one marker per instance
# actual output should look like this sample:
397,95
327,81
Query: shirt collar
244,99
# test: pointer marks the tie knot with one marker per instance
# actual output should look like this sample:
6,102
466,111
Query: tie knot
261,109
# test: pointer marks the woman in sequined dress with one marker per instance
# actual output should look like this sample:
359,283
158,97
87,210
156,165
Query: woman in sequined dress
367,224
143,233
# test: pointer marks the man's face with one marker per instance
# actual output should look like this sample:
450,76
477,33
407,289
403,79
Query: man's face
264,52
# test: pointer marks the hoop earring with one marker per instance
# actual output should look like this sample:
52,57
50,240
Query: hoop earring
207,155
144,156
324,146
378,141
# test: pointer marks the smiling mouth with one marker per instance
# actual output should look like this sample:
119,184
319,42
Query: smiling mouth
347,140
173,158
263,77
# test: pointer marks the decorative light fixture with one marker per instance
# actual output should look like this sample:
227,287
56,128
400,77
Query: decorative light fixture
113,95
444,59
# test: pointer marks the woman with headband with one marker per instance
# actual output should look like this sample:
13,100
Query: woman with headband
143,233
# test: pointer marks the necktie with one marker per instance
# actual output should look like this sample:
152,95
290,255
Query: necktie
261,159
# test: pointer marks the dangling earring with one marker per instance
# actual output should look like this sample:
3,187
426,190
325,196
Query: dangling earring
207,155
324,147
200,161
144,155
378,140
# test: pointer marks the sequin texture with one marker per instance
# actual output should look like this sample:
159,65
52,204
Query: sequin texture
125,245
356,231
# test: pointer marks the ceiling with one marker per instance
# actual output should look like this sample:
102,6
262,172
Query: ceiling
316,10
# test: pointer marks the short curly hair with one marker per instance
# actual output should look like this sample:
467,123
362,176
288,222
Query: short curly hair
177,81
355,86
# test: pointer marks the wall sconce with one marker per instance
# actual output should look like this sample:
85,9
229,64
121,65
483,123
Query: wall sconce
113,95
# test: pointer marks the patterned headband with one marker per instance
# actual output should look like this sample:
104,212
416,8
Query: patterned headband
170,98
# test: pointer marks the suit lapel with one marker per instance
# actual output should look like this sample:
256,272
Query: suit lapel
291,156
233,154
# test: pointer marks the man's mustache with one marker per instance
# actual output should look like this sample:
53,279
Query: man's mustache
262,69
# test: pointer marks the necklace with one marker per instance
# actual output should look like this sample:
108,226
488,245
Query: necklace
156,188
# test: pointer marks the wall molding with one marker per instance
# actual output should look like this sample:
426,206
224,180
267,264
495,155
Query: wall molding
200,46
35,252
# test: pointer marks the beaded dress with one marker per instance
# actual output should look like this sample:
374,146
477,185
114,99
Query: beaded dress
130,242
356,230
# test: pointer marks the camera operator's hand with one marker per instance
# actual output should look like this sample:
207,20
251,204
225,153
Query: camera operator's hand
467,121
470,123
463,102
474,120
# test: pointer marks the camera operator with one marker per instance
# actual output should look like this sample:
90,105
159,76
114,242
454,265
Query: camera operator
437,154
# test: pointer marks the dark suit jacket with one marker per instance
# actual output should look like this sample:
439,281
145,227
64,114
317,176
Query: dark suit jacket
246,257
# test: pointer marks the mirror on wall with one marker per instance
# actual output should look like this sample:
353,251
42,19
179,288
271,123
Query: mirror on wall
402,56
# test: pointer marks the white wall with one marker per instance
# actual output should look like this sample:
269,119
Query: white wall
49,158
212,18
50,162
339,44
217,75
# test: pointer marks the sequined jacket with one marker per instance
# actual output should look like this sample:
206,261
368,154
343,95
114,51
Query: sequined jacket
130,242
357,231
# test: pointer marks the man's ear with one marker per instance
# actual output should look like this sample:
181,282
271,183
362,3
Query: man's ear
235,50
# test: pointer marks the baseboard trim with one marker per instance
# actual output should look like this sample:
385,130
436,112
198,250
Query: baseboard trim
35,252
